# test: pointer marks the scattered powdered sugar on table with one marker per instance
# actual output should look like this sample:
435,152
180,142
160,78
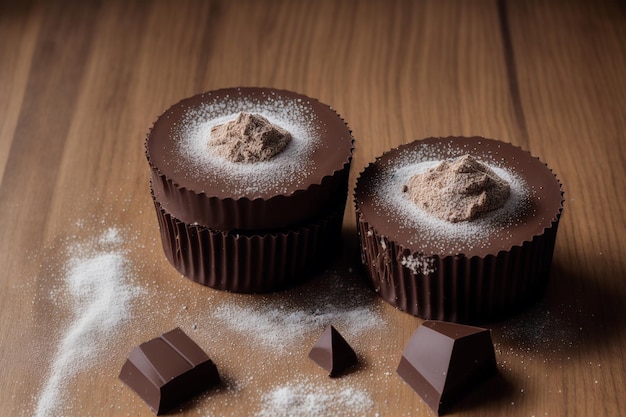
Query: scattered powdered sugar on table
391,202
96,277
304,399
286,168
277,327
418,264
277,323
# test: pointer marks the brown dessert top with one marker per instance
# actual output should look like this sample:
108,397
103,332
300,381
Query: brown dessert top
535,198
458,189
248,138
320,145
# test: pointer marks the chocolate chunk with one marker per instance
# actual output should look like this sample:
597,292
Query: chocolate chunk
167,370
332,352
443,361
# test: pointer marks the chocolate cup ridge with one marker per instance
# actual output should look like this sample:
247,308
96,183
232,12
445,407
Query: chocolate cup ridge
462,289
252,262
244,214
468,286
191,199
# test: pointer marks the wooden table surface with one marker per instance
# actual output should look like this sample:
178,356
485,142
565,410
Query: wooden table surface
81,83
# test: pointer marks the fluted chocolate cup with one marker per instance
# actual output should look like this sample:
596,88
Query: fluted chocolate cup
250,262
249,226
461,272
304,181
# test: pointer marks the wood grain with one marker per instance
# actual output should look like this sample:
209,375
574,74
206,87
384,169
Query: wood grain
82,82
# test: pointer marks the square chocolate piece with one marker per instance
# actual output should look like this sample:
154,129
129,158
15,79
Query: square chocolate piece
168,370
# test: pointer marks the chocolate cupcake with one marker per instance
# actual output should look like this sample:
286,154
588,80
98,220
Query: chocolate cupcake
458,229
262,171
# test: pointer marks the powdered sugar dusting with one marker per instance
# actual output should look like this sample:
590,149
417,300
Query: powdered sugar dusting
96,279
278,325
287,168
419,264
304,398
429,230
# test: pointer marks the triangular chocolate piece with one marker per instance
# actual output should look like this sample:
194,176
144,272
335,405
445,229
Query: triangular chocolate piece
443,361
332,352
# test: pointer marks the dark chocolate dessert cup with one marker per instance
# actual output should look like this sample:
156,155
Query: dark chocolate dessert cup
249,227
194,196
484,282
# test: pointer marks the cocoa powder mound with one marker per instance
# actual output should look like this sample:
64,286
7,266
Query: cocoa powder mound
458,190
249,138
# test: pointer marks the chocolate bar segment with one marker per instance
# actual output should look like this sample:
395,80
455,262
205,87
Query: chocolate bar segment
168,370
332,352
443,361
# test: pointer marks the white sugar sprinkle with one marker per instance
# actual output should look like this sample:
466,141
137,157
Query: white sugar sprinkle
419,264
278,324
308,399
391,202
96,283
277,327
